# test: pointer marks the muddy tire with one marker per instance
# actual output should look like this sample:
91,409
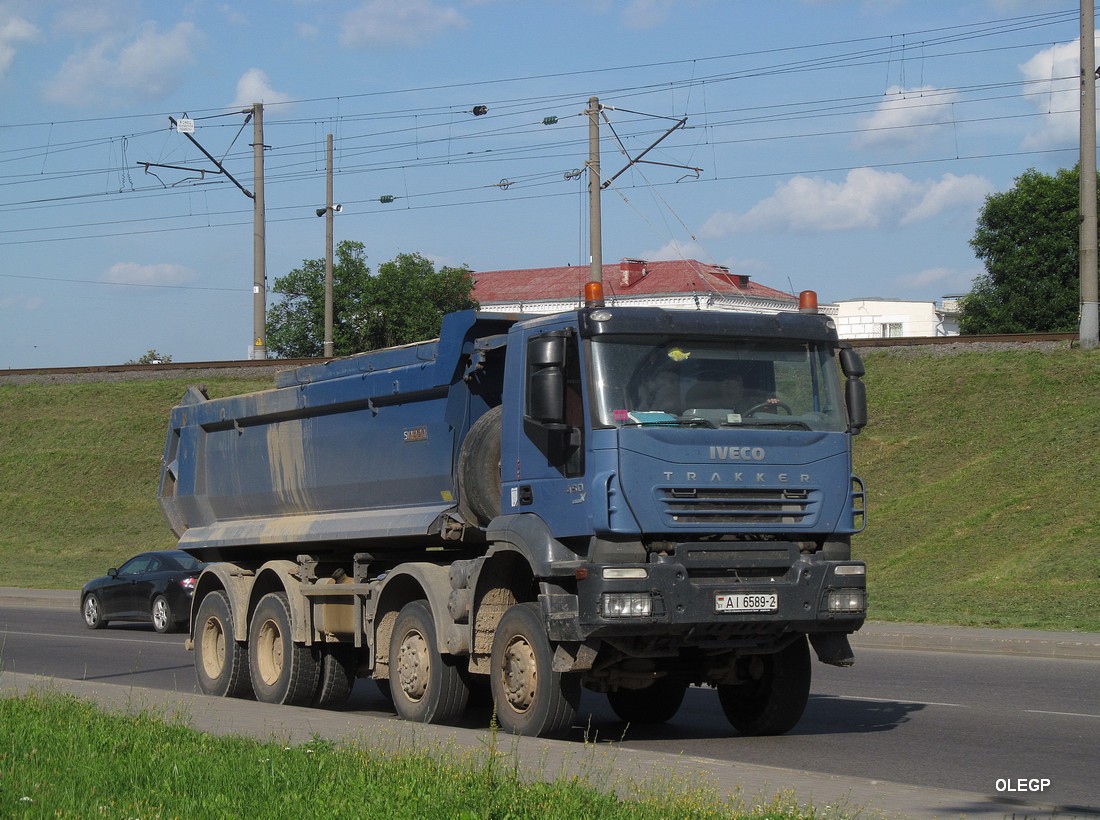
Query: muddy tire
426,687
531,698
282,671
479,469
221,664
337,676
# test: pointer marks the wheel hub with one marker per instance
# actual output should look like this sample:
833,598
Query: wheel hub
213,648
413,666
520,674
269,652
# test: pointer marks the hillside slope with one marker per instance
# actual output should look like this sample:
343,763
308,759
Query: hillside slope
982,471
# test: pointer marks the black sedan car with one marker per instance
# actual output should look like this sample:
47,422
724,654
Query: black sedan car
152,586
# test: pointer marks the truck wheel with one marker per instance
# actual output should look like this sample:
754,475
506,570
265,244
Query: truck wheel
161,614
657,703
92,610
282,671
221,664
774,697
425,686
479,469
337,677
531,698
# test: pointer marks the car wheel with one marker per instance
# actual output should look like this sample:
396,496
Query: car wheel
93,612
221,664
162,615
337,676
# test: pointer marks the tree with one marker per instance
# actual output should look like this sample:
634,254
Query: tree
152,357
405,302
1028,239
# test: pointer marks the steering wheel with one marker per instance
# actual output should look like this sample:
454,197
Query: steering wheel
773,405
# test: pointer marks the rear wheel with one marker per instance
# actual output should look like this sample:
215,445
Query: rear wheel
162,615
336,678
221,664
657,703
425,686
773,695
531,698
282,671
92,610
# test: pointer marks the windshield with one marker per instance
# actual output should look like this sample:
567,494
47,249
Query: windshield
685,382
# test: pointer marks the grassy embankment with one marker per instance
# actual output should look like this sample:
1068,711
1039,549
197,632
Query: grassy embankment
60,757
982,472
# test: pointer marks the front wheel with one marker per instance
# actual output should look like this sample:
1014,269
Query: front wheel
531,698
773,695
425,686
161,613
657,703
92,610
221,664
282,671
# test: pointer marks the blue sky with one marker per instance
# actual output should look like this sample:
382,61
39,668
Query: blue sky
845,147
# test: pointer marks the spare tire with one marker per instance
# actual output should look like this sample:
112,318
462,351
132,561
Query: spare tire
479,470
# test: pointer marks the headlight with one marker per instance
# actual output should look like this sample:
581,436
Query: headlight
626,605
846,600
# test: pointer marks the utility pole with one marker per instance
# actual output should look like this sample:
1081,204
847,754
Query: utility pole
1087,237
328,248
259,238
595,226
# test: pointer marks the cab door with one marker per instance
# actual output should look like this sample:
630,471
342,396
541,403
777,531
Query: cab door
548,475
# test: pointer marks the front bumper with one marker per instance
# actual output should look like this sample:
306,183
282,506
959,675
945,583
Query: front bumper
811,595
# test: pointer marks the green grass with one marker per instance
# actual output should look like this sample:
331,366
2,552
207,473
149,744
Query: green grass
983,473
982,469
61,757
79,466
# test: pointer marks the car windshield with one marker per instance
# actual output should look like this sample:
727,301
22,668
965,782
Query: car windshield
686,382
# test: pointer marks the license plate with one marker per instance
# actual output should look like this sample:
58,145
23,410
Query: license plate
754,602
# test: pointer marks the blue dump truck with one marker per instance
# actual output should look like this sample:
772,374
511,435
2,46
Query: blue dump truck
625,499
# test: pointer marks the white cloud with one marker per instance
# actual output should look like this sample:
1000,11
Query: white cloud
905,116
1058,100
143,67
14,31
254,86
865,199
385,24
131,273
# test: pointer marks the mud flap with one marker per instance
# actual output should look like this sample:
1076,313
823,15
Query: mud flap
833,648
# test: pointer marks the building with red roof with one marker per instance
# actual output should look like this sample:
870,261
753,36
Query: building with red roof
685,284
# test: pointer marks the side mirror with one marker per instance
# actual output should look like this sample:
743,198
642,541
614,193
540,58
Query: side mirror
855,396
851,363
546,379
546,404
113,572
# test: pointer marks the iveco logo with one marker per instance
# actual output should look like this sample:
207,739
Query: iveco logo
736,453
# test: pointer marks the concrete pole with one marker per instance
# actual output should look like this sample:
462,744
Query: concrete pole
259,238
595,226
1087,237
328,248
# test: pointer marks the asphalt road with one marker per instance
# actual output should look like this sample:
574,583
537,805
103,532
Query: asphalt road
955,721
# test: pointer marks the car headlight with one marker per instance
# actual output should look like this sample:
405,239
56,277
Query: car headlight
626,605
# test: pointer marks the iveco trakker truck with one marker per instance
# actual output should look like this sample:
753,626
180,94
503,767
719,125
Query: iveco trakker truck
625,499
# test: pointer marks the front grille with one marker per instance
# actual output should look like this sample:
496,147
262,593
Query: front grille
682,506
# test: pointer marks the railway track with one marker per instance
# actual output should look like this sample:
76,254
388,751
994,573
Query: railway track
283,364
